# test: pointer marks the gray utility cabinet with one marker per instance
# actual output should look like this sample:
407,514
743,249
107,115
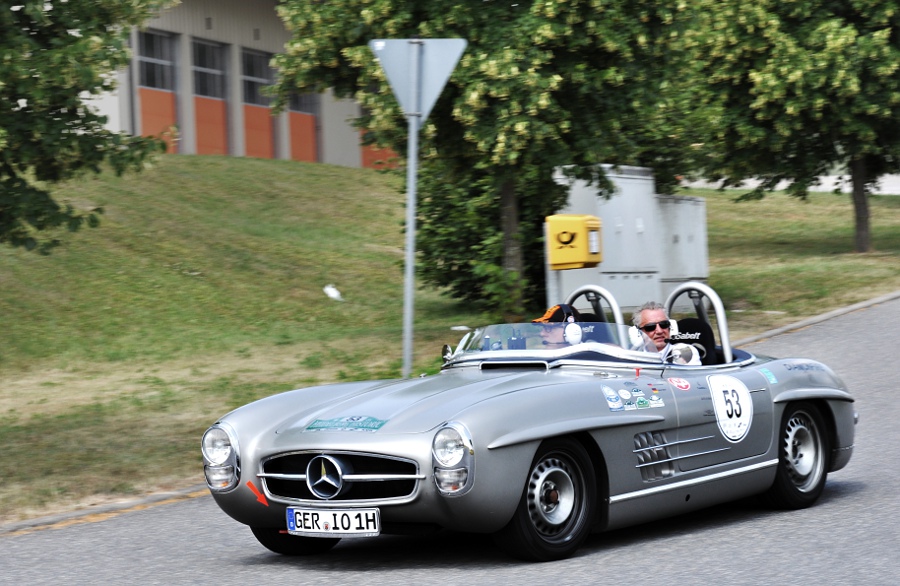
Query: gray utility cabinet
651,242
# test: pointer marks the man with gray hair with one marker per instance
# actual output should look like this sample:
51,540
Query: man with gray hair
654,322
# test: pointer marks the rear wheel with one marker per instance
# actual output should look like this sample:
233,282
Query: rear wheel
284,543
803,450
556,510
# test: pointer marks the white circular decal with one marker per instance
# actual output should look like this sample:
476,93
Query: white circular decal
733,405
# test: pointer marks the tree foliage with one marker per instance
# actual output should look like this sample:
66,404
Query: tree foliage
542,85
799,88
55,54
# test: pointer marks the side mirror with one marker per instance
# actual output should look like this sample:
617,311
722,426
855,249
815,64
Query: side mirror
446,353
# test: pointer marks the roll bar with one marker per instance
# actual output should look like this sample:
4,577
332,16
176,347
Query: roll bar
595,301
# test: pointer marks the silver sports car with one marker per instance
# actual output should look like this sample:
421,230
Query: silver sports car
538,446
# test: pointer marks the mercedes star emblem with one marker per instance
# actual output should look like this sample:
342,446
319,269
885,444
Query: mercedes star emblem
325,477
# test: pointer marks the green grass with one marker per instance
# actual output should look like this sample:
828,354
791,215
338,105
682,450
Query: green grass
202,290
199,255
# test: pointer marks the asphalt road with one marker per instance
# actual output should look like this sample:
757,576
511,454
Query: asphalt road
850,537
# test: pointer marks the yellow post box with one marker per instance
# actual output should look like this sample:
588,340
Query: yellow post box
573,241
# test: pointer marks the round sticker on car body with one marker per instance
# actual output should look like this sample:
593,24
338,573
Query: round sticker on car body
733,405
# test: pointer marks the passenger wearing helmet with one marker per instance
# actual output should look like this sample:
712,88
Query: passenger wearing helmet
559,326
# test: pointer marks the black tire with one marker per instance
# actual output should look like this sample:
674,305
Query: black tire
286,544
803,458
556,510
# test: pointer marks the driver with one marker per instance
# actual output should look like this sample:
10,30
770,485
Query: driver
654,322
556,331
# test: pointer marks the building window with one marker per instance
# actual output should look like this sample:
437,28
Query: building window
156,60
209,69
256,75
306,103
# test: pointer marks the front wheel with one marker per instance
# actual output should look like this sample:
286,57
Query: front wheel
556,510
803,449
279,541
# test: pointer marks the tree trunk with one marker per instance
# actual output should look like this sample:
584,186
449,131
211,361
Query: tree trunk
513,262
860,204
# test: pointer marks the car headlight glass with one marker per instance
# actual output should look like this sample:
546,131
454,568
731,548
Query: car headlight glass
449,446
216,446
453,452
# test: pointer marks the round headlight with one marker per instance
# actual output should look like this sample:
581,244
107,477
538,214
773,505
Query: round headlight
448,447
216,446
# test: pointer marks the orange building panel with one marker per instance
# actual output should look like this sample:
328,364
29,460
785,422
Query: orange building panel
158,115
376,158
303,137
211,119
259,140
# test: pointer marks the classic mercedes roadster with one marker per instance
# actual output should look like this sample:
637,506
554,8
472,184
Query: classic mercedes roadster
538,446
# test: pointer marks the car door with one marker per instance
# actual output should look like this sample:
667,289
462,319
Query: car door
642,420
723,416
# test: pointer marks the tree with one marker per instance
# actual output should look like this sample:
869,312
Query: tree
542,85
798,89
54,55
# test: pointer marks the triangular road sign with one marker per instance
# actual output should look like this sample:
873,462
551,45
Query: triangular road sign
417,91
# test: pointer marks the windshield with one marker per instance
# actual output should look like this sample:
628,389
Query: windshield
583,340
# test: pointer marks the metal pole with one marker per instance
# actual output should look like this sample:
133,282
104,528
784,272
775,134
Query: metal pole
548,280
412,160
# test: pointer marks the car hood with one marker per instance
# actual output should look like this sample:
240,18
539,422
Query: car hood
402,406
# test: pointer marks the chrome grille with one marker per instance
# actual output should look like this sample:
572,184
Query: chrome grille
364,477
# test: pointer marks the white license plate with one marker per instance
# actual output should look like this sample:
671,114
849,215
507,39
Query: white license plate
333,522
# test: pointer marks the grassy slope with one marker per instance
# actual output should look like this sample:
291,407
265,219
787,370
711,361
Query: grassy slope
201,254
203,290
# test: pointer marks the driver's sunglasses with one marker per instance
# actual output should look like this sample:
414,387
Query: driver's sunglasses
652,327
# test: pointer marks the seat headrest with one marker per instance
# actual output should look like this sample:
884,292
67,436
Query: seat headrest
699,334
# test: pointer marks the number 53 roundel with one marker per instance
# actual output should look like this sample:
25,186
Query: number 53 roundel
733,406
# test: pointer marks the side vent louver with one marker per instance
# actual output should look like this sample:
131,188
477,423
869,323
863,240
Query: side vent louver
653,457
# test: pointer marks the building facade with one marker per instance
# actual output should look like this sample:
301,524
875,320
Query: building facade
197,76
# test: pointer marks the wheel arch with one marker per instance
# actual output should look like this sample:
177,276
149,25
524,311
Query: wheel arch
830,403
551,521
804,458
825,411
601,472
830,428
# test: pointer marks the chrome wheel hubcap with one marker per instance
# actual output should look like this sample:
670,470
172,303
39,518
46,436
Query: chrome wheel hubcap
551,495
803,451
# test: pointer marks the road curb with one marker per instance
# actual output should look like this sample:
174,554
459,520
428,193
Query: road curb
104,510
817,319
